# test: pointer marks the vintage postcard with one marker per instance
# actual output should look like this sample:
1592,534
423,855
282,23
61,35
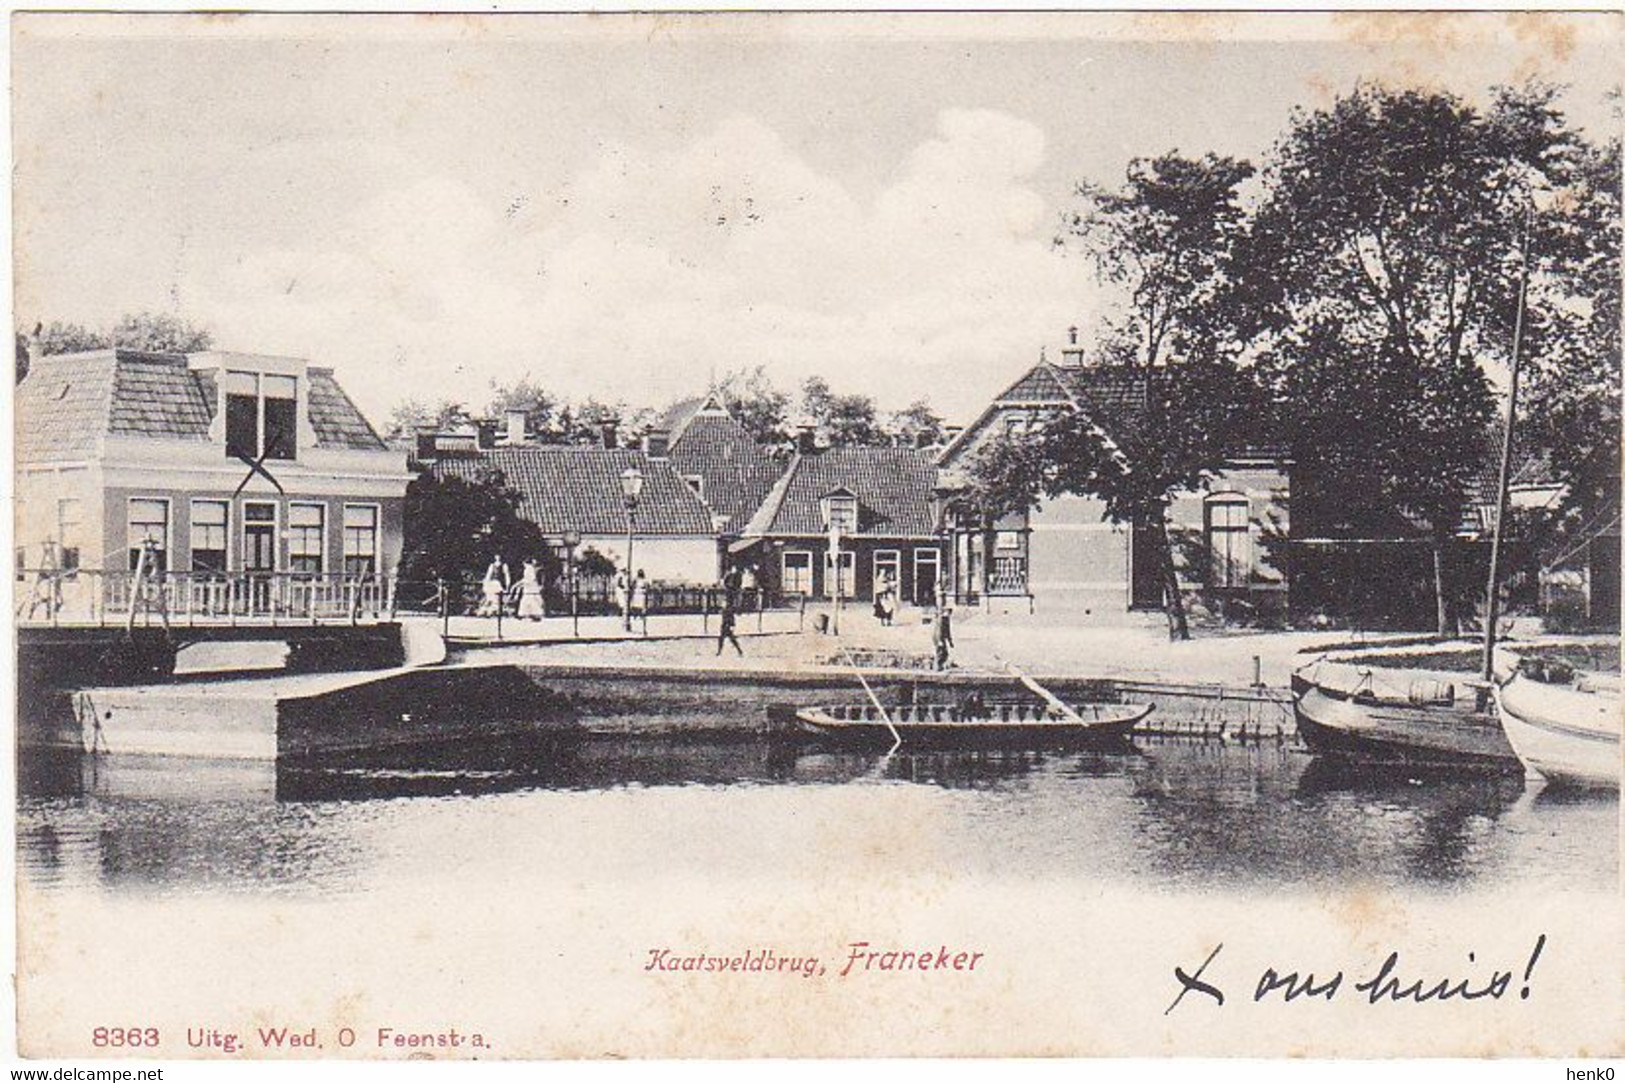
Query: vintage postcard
817,535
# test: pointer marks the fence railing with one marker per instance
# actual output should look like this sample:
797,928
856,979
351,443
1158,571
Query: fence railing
587,598
89,596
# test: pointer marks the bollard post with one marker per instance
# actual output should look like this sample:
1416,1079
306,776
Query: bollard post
761,607
705,610
1258,671
445,609
575,612
801,621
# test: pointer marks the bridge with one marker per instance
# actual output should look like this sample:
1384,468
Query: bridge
93,598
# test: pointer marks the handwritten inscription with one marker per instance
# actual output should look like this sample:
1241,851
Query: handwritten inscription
1390,982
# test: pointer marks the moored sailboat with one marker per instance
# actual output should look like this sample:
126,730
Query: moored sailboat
1564,725
1397,718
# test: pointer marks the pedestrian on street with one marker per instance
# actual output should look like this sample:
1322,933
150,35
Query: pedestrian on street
494,587
725,634
942,635
531,605
640,600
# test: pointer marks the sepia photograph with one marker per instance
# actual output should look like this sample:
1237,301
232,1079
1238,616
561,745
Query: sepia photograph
817,535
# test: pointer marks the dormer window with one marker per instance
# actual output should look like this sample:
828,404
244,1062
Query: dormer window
261,415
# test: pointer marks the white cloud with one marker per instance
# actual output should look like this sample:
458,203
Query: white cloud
649,267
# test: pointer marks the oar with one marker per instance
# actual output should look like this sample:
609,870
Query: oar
1049,697
897,738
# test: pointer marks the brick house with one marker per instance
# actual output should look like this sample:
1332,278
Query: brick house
119,447
718,458
894,532
571,487
1065,556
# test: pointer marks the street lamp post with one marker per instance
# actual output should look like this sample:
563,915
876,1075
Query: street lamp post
839,509
572,538
631,489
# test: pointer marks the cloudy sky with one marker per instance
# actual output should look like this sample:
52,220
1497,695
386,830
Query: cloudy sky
620,206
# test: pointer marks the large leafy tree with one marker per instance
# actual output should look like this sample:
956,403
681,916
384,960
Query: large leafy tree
842,420
1191,416
455,525
1571,412
413,414
757,404
1164,242
541,407
1382,273
155,331
916,425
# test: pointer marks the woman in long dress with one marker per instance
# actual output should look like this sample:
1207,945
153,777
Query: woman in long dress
494,586
531,605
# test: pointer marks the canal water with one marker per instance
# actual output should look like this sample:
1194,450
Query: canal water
1173,813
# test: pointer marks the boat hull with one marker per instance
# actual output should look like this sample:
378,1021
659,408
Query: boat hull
1567,735
1108,731
1401,735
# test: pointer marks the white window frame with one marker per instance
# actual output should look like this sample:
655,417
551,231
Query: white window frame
848,573
276,531
169,525
784,572
377,534
70,533
260,398
321,536
895,563
935,561
191,527
1224,570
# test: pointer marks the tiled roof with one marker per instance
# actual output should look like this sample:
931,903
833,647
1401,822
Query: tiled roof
893,486
570,487
1039,384
1111,394
62,406
677,416
68,401
737,473
1114,397
335,418
157,395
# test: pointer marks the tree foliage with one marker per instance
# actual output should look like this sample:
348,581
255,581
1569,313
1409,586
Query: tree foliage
154,331
759,406
454,526
1383,276
1166,239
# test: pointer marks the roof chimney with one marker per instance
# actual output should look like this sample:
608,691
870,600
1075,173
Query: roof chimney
1072,353
657,443
606,431
516,419
806,438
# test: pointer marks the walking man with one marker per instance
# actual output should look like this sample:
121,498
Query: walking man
725,633
942,634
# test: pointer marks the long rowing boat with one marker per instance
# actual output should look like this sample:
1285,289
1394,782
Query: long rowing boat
1093,725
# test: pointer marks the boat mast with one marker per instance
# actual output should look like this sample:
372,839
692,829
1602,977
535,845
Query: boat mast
1492,606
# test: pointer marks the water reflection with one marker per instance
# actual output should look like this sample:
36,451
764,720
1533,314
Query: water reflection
1171,812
